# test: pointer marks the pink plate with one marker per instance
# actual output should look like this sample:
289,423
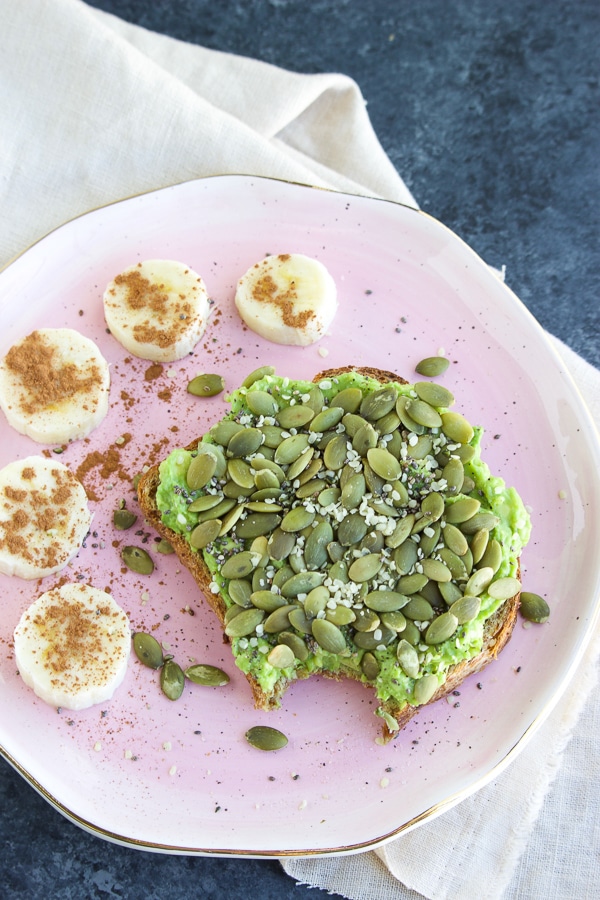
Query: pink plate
179,776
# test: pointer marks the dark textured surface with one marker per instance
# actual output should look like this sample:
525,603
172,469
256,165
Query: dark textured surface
489,111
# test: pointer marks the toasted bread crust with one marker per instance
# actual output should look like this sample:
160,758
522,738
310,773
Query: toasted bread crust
497,630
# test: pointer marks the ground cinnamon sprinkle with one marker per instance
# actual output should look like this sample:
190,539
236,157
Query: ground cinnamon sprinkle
47,380
266,291
140,295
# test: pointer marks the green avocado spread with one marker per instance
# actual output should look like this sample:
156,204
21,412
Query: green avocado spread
350,527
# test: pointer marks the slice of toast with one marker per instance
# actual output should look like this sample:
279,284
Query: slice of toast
394,712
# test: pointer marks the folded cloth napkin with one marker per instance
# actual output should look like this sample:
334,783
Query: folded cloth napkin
95,110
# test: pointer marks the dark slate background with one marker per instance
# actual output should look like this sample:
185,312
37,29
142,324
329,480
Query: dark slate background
489,111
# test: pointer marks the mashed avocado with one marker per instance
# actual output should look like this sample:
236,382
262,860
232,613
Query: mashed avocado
373,473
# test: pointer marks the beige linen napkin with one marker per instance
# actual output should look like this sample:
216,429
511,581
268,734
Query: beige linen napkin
94,110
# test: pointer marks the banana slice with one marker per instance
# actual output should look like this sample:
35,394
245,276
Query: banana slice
287,299
44,517
157,309
54,386
72,646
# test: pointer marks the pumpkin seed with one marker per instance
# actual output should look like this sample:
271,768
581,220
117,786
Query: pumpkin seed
454,539
266,480
408,658
290,448
436,570
369,666
353,491
504,588
240,564
365,568
412,634
316,601
492,556
374,640
267,600
327,419
480,520
297,519
433,394
300,465
454,564
224,430
400,533
422,448
123,519
172,680
384,464
405,418
328,636
479,543
534,608
315,548
433,506
272,436
261,403
244,623
216,512
210,676
379,403
245,442
450,591
466,608
351,530
348,399
263,737
459,511
148,650
239,590
430,538
256,524
138,560
425,688
335,453
206,501
200,471
385,601
405,556
205,533
411,584
388,423
366,620
479,581
418,609
281,657
432,366
341,615
353,423
281,544
442,628
312,488
295,416
453,474
302,583
206,385
423,414
295,643
300,621
164,547
456,427
393,620
365,439
257,375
